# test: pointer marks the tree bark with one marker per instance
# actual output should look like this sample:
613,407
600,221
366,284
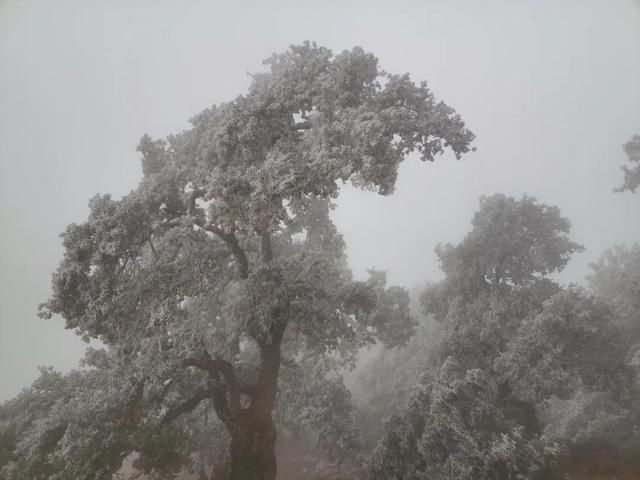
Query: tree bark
252,453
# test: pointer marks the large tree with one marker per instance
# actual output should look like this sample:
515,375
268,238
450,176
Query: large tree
497,275
463,419
223,266
529,373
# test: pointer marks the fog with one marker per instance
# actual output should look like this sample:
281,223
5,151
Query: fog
550,89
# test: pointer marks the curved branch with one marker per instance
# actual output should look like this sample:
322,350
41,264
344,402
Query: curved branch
232,242
186,406
228,238
217,368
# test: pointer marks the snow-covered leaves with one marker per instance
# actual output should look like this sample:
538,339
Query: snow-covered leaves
225,254
513,244
458,426
632,171
527,371
312,120
616,281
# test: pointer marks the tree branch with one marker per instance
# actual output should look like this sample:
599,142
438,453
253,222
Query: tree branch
217,368
305,125
186,406
132,411
267,250
228,238
232,242
153,249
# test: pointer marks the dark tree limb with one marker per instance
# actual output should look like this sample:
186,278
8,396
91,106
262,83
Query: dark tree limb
153,249
186,406
305,125
216,368
267,250
269,372
232,243
228,238
132,411
270,355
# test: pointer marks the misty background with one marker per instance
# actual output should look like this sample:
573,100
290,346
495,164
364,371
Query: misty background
551,89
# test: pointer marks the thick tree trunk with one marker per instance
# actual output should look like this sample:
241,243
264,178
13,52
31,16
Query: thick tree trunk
252,448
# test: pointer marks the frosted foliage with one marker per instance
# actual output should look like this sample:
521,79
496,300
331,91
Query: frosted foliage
632,171
224,265
457,426
616,281
530,379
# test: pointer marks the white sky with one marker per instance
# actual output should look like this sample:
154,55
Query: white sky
551,89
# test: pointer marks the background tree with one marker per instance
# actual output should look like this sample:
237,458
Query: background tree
616,281
631,172
223,266
536,378
570,361
497,275
458,425
84,424
384,379
528,373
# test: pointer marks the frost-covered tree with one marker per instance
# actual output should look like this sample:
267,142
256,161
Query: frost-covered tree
223,268
84,424
535,377
570,361
616,280
458,425
385,377
464,420
632,171
497,275
494,278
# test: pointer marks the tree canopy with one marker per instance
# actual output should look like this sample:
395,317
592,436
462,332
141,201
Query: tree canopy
531,379
222,273
632,171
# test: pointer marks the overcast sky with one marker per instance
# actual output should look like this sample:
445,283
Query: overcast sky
551,89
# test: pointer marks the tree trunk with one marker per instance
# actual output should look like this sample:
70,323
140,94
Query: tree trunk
252,448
